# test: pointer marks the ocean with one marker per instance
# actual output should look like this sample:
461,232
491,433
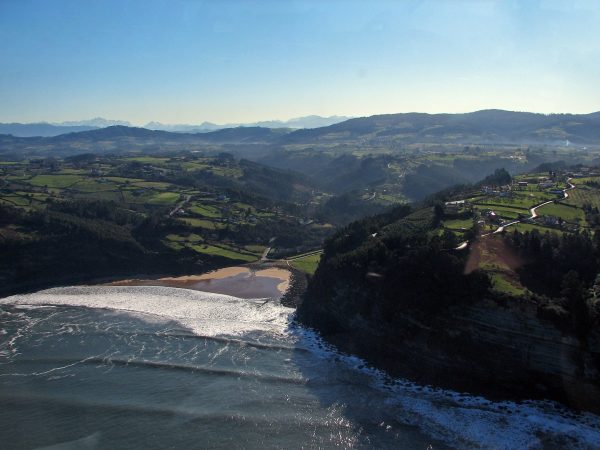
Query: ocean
162,367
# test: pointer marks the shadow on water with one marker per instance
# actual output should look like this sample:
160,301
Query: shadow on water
395,413
87,378
73,377
348,389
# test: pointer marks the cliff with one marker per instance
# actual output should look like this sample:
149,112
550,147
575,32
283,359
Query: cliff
392,293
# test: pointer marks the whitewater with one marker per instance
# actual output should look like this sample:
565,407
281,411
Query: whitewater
162,367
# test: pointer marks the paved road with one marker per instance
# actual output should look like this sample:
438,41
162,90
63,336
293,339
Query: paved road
462,246
267,250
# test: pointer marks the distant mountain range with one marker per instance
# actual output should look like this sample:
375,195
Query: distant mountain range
44,129
299,122
97,122
386,132
40,129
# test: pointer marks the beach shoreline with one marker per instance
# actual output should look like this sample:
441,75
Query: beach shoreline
251,281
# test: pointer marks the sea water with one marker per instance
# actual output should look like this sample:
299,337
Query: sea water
159,367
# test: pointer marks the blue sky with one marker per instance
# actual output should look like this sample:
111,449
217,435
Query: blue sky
184,61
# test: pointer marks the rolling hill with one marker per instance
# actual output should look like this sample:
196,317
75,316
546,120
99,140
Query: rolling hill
480,127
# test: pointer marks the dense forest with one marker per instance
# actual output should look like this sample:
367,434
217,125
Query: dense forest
403,260
389,264
397,289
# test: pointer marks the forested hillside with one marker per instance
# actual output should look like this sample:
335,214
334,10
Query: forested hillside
402,291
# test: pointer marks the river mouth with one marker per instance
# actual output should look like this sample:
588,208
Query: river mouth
155,366
242,282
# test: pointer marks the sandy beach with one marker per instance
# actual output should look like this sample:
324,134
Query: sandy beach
242,282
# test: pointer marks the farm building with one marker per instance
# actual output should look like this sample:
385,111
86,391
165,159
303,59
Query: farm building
455,205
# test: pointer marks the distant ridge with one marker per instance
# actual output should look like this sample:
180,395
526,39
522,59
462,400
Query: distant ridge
312,121
234,135
388,131
40,129
115,131
97,122
44,129
486,126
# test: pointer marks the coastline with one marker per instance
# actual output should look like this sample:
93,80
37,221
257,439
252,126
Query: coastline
273,281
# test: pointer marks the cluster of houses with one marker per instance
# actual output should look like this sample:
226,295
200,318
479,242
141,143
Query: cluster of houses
498,191
455,206
547,183
233,217
507,190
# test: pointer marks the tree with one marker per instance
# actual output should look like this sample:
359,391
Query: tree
449,240
574,291
572,287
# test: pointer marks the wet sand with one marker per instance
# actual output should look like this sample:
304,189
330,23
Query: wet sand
241,282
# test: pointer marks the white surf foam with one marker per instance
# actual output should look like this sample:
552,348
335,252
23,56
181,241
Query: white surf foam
204,313
458,419
469,421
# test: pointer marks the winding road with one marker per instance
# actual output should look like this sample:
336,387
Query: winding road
532,211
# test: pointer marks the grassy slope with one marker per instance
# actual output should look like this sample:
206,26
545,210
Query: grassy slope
306,263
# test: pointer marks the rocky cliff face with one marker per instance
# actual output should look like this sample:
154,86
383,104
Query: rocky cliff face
485,348
394,290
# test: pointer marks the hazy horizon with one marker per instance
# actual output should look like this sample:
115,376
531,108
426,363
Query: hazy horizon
185,62
74,121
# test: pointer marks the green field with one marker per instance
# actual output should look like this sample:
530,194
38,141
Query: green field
195,242
16,200
164,198
207,224
507,213
306,263
584,195
55,181
68,171
580,181
151,184
500,283
219,251
123,180
458,224
258,249
228,172
567,213
93,185
193,166
131,197
523,227
39,197
205,211
194,238
148,159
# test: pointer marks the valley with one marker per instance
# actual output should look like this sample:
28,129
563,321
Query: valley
187,201
459,227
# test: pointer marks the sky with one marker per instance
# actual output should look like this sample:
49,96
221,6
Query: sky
185,61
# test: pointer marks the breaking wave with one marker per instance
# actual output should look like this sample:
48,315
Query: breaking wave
122,354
